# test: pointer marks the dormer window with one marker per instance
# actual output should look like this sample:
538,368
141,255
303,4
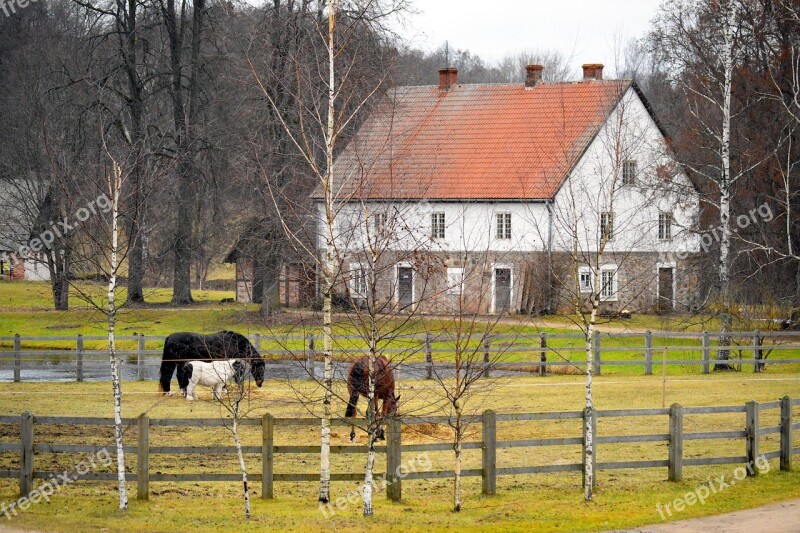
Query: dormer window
503,225
664,226
606,226
628,172
437,225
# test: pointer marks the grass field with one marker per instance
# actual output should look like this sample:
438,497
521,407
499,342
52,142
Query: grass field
25,309
546,502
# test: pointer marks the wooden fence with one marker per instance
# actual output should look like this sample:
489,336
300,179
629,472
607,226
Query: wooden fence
269,451
652,349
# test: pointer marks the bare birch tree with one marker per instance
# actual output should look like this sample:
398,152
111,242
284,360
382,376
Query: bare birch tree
114,189
331,118
624,198
701,44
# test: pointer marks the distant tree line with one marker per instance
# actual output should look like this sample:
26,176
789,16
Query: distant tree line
168,86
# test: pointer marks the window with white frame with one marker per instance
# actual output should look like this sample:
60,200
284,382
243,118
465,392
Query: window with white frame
503,225
664,226
378,224
585,279
608,283
606,225
455,280
437,225
359,281
347,222
628,172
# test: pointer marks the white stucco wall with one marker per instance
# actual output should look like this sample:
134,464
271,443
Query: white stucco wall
593,186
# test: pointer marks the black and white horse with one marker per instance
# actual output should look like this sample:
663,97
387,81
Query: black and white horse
182,347
214,374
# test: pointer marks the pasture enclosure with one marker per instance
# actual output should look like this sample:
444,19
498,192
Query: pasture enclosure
292,356
765,429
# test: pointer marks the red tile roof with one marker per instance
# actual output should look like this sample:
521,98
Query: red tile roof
475,141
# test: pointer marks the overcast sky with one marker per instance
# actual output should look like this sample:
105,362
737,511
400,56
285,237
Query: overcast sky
581,29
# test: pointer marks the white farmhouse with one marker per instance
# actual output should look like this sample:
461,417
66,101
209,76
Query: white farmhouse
496,197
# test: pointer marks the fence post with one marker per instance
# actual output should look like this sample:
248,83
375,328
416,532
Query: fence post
143,459
140,357
79,358
489,457
587,413
311,357
267,456
675,442
543,354
706,344
17,357
486,356
257,342
756,351
786,433
648,353
751,412
26,454
596,359
393,459
428,357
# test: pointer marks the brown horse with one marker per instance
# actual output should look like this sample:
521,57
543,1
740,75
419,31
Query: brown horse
358,385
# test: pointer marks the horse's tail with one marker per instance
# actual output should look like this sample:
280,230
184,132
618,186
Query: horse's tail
165,375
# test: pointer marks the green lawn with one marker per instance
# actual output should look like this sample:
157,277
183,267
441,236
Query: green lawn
545,502
25,308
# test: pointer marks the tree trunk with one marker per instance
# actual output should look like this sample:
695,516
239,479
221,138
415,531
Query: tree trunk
725,195
242,465
457,448
325,443
116,182
588,465
369,476
328,266
185,124
372,416
136,254
795,315
182,281
59,279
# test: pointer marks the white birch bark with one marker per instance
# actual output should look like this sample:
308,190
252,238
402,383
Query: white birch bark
725,186
457,448
328,266
372,415
372,426
115,183
242,464
588,464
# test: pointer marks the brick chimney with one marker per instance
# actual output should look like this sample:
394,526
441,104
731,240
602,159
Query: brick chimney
448,76
533,75
593,71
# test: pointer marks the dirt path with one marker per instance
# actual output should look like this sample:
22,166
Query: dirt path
783,517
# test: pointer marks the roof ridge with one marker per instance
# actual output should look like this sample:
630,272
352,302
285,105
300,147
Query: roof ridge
520,84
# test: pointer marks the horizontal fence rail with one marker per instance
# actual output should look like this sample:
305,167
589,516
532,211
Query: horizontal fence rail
270,452
20,357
